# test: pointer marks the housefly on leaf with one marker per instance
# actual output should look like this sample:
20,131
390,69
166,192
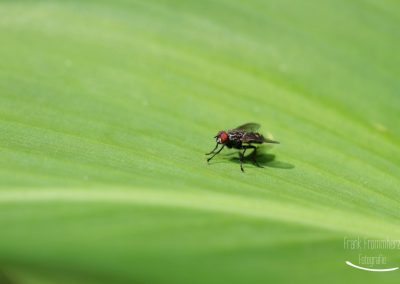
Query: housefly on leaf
242,138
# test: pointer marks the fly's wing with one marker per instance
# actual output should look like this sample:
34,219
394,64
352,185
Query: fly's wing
249,127
256,138
267,140
252,137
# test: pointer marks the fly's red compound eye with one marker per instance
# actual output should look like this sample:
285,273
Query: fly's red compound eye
223,137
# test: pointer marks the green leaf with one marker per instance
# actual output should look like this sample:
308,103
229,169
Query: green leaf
107,109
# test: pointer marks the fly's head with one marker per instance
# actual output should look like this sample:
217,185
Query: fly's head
222,137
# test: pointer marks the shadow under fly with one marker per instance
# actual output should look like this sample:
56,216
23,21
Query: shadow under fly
263,160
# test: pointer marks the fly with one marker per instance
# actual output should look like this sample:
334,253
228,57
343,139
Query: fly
242,138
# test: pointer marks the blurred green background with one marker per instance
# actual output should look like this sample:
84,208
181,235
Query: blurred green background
107,109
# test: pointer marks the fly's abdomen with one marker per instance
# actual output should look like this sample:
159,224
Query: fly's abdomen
253,137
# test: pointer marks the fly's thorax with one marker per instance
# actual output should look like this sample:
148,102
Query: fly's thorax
235,135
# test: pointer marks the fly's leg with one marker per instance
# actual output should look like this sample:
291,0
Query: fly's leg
254,155
241,157
216,153
216,146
